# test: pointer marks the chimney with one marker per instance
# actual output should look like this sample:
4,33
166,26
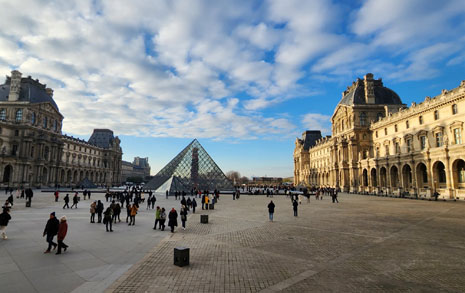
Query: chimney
49,92
15,85
369,89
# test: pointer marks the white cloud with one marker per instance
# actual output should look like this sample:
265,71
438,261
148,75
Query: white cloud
182,68
315,121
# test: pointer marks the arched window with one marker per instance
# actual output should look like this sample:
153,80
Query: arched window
363,119
454,109
3,114
19,115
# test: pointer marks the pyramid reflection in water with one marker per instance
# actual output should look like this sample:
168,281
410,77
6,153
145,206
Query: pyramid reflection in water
191,168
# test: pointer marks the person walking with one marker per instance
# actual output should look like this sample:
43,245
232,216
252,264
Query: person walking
157,218
75,200
133,214
149,201
51,229
117,211
162,219
183,213
93,209
295,204
203,201
206,201
271,207
57,195
66,199
4,219
62,231
194,205
153,200
10,199
99,211
107,219
173,219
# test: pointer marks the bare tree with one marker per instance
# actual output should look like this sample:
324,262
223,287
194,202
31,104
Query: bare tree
234,176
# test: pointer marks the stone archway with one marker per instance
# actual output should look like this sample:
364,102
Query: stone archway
69,177
406,177
7,173
439,175
458,171
374,180
394,176
382,177
365,177
422,175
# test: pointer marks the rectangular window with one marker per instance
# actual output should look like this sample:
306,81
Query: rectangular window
3,114
458,136
386,149
407,124
420,119
454,109
423,142
14,150
409,145
385,131
438,136
436,115
397,148
395,128
376,134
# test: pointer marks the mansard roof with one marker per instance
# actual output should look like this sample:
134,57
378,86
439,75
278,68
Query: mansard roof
355,94
31,91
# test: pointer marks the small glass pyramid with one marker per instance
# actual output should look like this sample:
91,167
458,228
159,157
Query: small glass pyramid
191,169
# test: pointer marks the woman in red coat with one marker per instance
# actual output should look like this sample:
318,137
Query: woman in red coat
62,230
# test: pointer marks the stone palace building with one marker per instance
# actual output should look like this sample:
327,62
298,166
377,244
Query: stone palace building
33,150
378,144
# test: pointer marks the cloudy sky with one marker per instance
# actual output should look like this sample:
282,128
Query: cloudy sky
244,77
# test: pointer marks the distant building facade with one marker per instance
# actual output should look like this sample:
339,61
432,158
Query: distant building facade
378,144
267,180
34,152
140,167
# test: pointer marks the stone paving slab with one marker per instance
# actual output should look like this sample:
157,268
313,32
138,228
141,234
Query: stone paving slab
95,258
362,244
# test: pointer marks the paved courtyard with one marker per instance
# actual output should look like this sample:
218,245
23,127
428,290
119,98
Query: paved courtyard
362,244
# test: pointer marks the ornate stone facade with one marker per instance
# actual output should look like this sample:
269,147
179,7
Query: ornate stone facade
34,152
380,145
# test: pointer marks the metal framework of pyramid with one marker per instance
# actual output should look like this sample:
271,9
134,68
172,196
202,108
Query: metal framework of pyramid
191,168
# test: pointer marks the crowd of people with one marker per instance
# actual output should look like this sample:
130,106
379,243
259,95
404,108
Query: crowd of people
132,198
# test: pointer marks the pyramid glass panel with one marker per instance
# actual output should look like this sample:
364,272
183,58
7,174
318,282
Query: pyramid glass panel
191,169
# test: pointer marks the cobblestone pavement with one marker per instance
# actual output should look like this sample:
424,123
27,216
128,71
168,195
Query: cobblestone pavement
362,244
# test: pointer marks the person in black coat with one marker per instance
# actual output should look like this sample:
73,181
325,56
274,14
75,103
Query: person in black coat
271,207
66,199
4,219
75,200
99,210
51,229
29,194
295,204
173,219
194,205
183,214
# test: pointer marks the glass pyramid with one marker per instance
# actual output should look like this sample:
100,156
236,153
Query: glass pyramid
191,169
